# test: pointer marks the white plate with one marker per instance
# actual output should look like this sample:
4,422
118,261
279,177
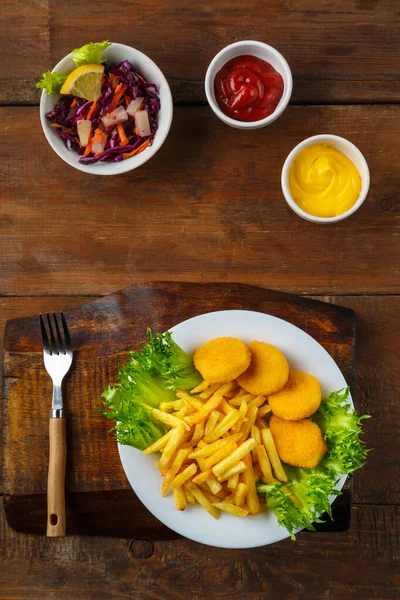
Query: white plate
303,354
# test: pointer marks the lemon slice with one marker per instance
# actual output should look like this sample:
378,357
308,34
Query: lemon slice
84,82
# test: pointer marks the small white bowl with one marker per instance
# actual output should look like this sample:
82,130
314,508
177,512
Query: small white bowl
349,150
115,53
260,50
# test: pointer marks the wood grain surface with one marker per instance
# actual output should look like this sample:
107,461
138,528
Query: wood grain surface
102,333
208,207
328,44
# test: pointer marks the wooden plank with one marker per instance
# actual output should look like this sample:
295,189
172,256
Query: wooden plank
339,52
13,308
24,48
208,207
376,388
103,332
360,564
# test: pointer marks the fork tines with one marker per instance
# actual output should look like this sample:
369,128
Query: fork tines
57,343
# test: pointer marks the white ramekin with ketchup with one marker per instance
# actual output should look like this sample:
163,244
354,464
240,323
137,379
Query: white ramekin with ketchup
248,84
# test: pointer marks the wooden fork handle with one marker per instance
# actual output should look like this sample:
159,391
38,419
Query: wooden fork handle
56,478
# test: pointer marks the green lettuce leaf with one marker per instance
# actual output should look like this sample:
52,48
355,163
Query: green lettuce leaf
148,378
341,427
134,426
162,355
89,54
51,82
311,488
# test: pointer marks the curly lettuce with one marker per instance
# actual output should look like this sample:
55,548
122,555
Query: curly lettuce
149,377
301,502
51,82
89,54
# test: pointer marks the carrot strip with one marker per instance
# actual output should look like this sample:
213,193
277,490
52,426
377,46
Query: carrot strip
55,125
91,111
113,79
118,93
137,150
73,103
122,137
140,77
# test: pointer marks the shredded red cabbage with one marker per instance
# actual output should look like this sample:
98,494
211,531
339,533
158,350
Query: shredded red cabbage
64,117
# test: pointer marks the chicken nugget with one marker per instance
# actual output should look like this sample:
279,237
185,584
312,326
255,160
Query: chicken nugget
300,397
268,371
299,443
222,359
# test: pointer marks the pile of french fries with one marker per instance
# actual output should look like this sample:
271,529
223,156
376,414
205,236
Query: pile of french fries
217,448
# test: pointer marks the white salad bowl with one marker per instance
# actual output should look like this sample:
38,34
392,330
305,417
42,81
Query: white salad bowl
259,50
345,147
116,53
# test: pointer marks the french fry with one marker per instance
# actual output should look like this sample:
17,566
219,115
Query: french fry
238,399
240,494
168,419
178,461
202,444
203,500
255,433
190,499
273,455
264,463
186,474
201,387
256,472
198,433
226,407
257,401
233,481
220,454
246,426
235,457
211,422
231,393
210,405
261,424
231,508
180,498
184,411
263,410
209,449
194,402
238,468
213,484
172,445
202,477
159,444
202,463
248,478
171,406
222,427
242,413
209,391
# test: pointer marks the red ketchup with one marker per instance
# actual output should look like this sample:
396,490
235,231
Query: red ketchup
248,88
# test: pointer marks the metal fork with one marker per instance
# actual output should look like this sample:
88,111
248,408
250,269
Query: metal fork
57,355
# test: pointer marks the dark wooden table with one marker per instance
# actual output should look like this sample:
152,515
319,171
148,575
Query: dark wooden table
208,208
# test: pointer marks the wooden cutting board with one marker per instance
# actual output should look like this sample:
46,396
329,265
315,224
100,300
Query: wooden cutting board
99,498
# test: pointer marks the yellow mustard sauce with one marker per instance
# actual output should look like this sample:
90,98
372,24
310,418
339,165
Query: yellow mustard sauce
323,181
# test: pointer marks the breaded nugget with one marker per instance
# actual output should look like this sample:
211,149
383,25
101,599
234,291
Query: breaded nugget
299,443
300,397
268,371
222,359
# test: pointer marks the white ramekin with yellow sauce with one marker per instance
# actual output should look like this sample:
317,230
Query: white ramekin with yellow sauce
325,179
